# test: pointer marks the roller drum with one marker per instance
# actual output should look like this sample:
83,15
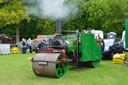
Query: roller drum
52,69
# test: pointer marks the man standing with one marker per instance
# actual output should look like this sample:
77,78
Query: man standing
30,44
23,46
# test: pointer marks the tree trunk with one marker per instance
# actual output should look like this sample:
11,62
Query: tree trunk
17,33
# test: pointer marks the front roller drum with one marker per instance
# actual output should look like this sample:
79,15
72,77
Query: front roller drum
44,64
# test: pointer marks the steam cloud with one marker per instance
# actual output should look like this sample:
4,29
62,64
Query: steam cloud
56,9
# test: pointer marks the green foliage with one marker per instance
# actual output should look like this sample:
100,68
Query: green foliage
15,14
36,27
106,15
12,12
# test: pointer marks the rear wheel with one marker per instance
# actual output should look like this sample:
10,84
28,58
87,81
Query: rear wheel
95,64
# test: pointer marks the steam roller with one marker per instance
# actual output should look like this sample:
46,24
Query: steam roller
55,54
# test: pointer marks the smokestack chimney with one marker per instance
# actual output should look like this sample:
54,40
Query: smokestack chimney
58,26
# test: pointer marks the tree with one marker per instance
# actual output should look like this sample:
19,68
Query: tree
106,15
12,12
36,26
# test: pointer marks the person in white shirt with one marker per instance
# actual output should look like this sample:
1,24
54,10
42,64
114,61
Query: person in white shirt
29,42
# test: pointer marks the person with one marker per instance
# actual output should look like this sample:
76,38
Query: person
29,42
24,45
41,45
19,45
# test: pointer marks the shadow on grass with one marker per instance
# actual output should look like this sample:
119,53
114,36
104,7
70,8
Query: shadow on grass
74,69
79,69
106,60
35,77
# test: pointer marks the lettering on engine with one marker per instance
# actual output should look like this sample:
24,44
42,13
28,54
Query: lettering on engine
44,63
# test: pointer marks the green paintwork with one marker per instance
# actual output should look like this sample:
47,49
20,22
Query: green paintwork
70,40
126,33
70,37
89,49
61,72
71,46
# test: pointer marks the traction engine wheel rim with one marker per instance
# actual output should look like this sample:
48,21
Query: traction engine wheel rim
61,71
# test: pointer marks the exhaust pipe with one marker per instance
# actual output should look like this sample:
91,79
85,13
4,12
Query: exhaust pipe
58,26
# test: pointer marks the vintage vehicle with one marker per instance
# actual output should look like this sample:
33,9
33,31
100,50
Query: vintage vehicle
5,40
54,55
112,46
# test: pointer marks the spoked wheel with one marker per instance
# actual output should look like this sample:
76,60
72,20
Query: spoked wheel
61,71
52,69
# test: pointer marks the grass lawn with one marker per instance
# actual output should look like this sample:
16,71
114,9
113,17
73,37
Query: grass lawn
16,69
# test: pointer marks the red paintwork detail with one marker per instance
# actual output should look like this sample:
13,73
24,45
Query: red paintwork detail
98,45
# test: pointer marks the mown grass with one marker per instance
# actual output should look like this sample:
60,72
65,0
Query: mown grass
16,69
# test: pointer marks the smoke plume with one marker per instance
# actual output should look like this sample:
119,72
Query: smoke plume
56,9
